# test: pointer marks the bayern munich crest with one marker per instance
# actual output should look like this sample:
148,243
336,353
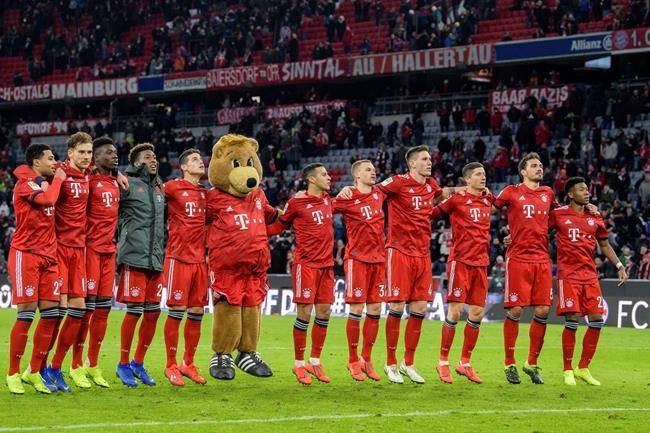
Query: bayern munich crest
306,293
29,291
91,284
395,292
177,296
591,222
357,293
513,297
457,292
569,303
258,204
544,198
375,196
135,292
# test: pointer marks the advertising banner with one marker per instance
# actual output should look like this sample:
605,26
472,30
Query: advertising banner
54,127
285,111
226,116
551,48
72,90
173,83
554,96
631,41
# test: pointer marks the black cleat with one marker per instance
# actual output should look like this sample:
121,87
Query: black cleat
251,363
512,374
533,372
222,367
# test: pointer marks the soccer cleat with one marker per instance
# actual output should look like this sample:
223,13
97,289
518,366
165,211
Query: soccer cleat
141,373
125,374
512,374
368,369
95,374
393,374
301,374
468,372
444,373
222,367
175,377
36,381
251,363
15,384
317,371
533,372
585,374
569,378
191,372
355,371
57,377
79,378
47,380
411,372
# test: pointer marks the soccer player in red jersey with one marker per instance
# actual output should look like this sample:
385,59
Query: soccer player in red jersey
186,274
33,264
576,233
365,265
70,220
309,213
466,268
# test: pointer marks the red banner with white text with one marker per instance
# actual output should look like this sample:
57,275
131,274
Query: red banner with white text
504,99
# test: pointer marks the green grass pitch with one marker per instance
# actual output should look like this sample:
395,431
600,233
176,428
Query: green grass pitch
281,404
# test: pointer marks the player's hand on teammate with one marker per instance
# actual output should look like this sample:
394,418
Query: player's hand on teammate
592,209
507,240
346,193
122,181
622,277
58,174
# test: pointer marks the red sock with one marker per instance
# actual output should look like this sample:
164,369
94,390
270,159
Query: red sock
68,334
192,335
472,329
590,343
172,324
55,333
370,329
510,332
42,336
569,343
131,318
78,346
536,334
97,327
18,340
352,331
146,332
300,339
392,336
412,336
448,332
318,334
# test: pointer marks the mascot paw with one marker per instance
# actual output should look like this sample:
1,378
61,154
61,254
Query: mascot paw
222,367
251,363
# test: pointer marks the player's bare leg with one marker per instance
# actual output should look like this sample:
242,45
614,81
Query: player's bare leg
417,310
300,327
318,334
589,345
536,334
370,328
352,330
510,333
393,322
474,318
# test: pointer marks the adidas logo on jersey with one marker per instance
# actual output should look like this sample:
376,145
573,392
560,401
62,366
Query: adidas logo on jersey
99,184
309,206
469,201
185,194
522,198
568,222
411,191
357,201
229,209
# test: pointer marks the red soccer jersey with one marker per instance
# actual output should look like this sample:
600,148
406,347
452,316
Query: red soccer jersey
410,206
575,238
528,212
103,208
186,208
70,216
34,211
311,218
237,238
470,227
364,220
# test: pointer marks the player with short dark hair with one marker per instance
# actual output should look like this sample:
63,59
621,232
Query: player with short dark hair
576,234
33,266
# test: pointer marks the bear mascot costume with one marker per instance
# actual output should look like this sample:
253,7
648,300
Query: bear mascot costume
239,256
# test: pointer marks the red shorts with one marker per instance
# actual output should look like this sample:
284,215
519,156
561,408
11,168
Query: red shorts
139,285
312,285
100,270
242,289
574,297
467,284
409,278
187,283
365,282
33,277
72,271
527,284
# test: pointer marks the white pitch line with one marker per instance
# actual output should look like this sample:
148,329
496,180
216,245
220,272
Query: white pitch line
321,418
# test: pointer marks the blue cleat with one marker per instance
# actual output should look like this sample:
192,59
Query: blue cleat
47,380
125,374
56,376
141,373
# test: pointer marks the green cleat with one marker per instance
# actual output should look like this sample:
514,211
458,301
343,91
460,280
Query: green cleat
512,375
15,384
95,374
533,372
78,376
36,381
569,379
585,374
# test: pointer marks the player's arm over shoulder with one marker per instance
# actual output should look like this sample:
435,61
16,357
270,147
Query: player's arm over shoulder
504,197
390,186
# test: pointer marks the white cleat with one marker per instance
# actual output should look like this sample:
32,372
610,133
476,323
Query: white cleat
393,374
411,372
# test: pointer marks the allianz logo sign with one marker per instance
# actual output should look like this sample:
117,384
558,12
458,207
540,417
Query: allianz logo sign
584,44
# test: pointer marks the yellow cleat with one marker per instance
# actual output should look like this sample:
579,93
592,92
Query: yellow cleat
585,374
569,378
78,376
36,381
95,374
15,384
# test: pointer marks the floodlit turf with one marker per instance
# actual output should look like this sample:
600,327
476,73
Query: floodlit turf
281,404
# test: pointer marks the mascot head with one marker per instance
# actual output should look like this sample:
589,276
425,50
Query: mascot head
235,167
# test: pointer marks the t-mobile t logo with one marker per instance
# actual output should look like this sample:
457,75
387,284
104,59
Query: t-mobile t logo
241,219
416,201
529,210
190,208
75,189
317,215
574,234
474,212
366,211
107,198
